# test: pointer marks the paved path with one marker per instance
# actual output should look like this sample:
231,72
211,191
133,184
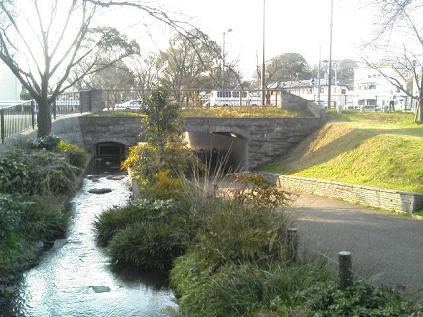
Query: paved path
386,247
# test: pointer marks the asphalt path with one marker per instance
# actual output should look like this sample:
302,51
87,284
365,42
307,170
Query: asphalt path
386,249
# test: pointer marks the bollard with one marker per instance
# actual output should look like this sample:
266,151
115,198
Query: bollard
345,269
292,244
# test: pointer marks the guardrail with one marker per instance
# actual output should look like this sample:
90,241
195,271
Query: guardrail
21,117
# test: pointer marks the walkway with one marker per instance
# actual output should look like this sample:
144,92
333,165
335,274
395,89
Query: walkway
386,248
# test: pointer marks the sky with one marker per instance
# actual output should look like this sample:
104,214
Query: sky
291,26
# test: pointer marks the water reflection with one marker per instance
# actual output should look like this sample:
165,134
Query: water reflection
75,279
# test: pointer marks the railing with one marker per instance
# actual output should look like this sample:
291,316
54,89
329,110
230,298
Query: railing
189,98
21,117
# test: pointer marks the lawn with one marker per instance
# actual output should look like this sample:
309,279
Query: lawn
243,112
221,112
375,149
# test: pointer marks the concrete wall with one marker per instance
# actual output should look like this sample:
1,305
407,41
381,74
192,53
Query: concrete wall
267,138
259,140
123,130
364,195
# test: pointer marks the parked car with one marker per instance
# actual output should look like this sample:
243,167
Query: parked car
130,105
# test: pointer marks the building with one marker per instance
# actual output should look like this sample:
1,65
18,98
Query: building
10,87
342,96
373,90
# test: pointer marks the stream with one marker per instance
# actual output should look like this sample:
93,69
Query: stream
74,277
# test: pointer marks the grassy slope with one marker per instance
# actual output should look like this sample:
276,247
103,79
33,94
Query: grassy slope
375,149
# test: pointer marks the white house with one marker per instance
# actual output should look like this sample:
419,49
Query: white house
308,89
372,89
10,87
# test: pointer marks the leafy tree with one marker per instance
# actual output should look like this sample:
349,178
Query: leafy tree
163,123
286,67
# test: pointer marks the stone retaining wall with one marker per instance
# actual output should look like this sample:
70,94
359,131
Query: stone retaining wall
364,195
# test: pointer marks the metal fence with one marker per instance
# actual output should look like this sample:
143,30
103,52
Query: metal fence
188,98
21,117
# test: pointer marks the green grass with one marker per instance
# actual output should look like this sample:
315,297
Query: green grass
221,112
375,149
243,112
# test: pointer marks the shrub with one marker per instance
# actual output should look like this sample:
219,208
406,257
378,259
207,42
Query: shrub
327,299
165,187
257,191
113,220
37,172
242,290
75,155
10,215
146,246
146,161
49,142
51,174
42,220
234,233
15,172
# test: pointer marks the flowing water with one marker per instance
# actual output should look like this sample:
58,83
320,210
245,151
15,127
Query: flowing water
74,277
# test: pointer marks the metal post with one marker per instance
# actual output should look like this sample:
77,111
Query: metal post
330,55
240,98
33,114
345,269
263,65
292,244
2,125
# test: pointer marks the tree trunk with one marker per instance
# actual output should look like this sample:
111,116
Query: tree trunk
43,117
418,118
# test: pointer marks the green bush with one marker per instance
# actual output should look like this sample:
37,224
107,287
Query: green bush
113,220
146,246
51,174
75,155
327,299
234,233
15,172
42,220
242,290
36,172
49,142
10,215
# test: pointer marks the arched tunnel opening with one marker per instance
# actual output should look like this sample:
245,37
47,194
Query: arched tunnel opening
109,155
226,150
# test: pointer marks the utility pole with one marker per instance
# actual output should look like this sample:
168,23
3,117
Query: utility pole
263,65
318,77
330,55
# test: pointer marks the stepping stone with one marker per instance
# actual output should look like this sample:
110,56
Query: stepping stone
100,289
115,177
100,191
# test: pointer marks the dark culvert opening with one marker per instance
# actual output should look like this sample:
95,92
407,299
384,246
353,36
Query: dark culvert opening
109,155
220,149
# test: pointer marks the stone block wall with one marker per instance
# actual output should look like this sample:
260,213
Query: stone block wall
267,138
364,195
123,130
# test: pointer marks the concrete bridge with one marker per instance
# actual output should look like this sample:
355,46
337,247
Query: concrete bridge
247,142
